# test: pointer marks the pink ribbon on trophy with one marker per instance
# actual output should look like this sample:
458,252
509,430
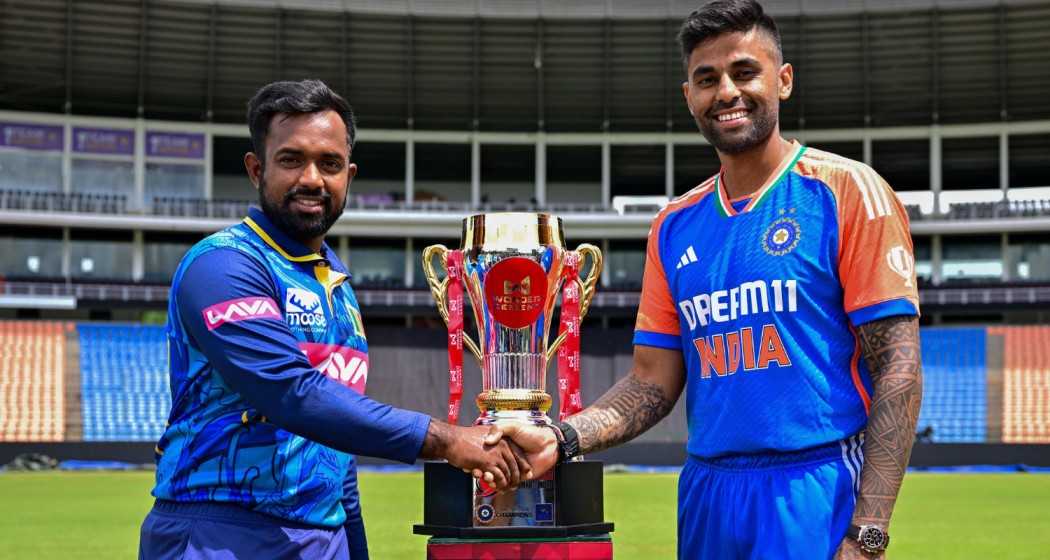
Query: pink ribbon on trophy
455,334
569,400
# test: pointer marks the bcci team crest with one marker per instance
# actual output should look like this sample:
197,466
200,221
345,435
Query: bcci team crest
781,237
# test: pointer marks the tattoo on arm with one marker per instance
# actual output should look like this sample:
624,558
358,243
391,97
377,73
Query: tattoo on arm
629,408
891,350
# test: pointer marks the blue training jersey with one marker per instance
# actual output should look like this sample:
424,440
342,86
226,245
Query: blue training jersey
762,297
268,365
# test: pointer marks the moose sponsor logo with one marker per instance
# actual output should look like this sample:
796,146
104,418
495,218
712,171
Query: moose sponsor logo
302,308
240,309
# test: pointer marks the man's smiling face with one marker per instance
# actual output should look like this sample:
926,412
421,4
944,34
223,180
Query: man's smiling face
735,84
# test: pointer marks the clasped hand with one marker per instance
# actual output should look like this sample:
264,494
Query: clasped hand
505,455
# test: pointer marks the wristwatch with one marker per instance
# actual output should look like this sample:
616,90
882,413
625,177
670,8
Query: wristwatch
872,539
568,441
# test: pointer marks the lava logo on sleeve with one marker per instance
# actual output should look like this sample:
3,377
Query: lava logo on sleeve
345,365
240,309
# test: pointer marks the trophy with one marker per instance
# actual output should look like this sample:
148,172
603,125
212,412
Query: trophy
512,267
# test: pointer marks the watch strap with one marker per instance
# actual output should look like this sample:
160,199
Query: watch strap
568,441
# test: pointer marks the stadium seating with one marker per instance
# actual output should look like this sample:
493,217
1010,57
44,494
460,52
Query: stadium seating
1026,384
954,401
124,382
32,380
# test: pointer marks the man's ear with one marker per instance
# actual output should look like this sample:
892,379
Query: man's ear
253,165
786,80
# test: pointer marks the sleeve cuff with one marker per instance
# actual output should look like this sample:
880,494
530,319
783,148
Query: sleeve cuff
659,340
419,432
881,310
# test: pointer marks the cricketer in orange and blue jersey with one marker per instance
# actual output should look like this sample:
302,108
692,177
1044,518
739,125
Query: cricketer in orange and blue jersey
762,296
268,360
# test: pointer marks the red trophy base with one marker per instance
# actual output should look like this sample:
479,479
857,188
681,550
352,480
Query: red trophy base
583,547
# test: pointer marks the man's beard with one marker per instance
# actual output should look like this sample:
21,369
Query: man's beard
298,226
762,125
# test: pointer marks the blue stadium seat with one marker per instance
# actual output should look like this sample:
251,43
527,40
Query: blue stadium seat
124,382
954,400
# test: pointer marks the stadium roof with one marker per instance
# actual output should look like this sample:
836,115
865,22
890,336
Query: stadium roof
617,9
886,63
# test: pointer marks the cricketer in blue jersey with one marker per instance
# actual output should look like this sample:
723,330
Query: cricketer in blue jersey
269,362
780,294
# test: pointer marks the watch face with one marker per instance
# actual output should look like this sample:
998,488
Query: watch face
873,538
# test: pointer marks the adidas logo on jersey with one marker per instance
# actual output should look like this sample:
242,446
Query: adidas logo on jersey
303,308
688,257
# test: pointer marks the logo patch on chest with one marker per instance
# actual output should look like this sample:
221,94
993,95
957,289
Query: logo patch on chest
781,237
302,308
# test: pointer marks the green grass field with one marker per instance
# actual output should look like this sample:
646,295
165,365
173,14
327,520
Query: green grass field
97,515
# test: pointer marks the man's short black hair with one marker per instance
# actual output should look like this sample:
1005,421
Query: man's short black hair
725,16
307,96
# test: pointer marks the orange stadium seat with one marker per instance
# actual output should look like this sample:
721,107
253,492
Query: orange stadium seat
32,380
1026,384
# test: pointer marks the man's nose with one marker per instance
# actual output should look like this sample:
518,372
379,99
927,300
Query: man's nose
727,90
311,176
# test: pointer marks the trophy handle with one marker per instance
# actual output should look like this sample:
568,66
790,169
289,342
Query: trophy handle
439,289
587,288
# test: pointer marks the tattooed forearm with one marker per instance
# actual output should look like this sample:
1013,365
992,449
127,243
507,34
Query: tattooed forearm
891,350
629,408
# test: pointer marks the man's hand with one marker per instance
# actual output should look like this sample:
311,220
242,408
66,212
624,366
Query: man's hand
538,442
850,550
469,448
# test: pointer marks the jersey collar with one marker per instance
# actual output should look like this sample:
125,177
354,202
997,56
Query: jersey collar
725,207
280,241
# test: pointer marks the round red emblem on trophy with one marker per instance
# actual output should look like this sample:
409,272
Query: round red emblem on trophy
515,291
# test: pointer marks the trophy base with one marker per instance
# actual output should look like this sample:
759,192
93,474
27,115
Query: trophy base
451,505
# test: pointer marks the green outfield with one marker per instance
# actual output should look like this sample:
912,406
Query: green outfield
97,515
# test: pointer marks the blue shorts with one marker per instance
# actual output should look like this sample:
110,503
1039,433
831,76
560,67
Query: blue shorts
214,531
785,505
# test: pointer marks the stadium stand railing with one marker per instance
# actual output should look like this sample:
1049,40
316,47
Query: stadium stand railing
32,380
27,200
124,382
1026,383
40,201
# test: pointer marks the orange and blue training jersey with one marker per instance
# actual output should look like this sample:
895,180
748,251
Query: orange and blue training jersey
763,296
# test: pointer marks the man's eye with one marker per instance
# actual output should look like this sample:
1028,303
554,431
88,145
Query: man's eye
333,165
288,160
744,74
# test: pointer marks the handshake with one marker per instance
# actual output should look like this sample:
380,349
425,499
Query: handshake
503,455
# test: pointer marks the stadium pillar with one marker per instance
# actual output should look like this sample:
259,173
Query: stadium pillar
344,248
541,169
67,253
475,170
606,277
866,147
138,194
410,169
1007,258
936,261
935,167
1004,162
669,168
606,172
209,157
138,250
67,159
410,260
